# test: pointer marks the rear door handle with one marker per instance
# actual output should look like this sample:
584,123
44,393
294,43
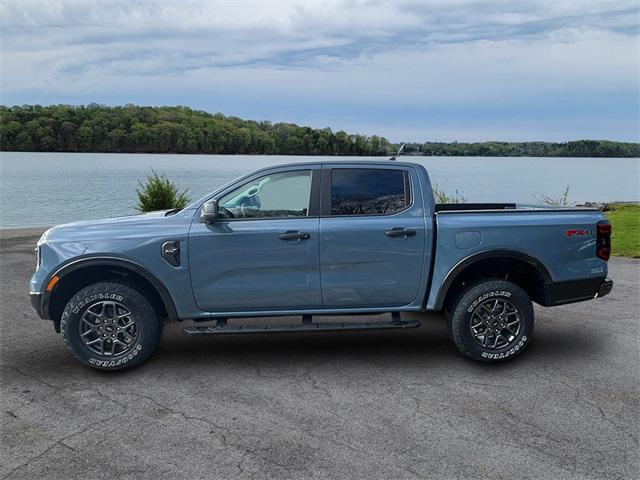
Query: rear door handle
294,235
400,232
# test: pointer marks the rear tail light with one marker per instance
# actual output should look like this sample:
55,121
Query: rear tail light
603,242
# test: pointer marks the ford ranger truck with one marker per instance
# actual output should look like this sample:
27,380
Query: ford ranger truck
314,239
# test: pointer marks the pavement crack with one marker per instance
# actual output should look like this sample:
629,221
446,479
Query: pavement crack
315,384
219,428
580,399
35,399
61,441
308,373
28,375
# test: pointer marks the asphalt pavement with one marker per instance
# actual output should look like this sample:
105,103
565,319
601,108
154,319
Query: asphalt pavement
352,405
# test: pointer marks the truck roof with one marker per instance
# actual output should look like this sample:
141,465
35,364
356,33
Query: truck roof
384,161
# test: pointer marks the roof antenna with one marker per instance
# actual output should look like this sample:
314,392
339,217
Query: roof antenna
397,154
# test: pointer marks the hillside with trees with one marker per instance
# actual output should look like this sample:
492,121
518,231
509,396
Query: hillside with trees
136,129
578,148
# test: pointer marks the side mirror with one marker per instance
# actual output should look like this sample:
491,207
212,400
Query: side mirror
209,212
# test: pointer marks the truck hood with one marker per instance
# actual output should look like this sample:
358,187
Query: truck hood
131,225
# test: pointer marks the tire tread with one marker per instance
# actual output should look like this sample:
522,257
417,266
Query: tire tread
458,307
134,295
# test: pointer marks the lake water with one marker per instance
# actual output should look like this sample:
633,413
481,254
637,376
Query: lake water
39,189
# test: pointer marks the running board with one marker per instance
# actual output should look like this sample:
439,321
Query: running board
222,329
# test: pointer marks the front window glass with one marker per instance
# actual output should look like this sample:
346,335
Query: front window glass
358,191
275,195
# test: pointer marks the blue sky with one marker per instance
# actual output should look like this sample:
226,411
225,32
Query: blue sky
409,70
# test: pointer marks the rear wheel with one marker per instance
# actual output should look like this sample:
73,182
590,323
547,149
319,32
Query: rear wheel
492,320
110,326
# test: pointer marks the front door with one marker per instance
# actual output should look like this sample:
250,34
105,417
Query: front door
372,237
262,254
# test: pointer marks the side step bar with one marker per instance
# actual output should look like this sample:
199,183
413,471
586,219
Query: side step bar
221,328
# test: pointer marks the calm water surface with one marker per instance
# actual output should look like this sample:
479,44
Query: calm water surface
38,189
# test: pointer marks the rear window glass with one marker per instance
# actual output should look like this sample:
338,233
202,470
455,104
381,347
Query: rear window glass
359,191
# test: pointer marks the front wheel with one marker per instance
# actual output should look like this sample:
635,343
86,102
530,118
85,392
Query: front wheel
110,326
492,320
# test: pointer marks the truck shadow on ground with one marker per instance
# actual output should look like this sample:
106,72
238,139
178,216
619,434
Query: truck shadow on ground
429,343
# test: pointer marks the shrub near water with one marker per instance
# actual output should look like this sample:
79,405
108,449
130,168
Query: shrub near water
443,197
159,193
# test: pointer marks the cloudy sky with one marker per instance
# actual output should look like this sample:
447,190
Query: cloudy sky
409,70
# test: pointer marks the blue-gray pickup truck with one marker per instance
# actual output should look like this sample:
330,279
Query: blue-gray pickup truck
314,239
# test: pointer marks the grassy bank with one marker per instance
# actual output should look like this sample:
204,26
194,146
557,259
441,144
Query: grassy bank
625,239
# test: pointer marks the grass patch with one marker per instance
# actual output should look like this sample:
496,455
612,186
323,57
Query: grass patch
625,239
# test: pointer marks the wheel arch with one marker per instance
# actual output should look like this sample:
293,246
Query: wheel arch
81,272
497,263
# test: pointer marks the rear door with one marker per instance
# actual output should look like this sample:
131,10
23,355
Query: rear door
372,236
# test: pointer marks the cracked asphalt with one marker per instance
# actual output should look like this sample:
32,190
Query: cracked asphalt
363,405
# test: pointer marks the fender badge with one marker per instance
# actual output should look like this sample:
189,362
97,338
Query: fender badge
171,252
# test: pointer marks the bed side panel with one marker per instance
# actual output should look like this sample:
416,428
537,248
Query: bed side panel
544,236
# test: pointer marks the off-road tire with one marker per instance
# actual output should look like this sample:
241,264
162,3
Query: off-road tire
460,312
148,325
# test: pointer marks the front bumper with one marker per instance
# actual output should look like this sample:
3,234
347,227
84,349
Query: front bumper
36,303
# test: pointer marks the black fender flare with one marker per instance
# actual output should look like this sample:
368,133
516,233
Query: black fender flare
79,263
466,262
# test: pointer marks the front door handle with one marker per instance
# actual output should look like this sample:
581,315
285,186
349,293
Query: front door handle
400,232
294,235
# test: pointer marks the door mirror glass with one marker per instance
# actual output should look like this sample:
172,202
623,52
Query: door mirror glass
209,212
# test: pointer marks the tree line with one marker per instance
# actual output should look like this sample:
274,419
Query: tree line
577,148
136,129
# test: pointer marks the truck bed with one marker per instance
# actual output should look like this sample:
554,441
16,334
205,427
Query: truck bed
446,207
481,207
548,235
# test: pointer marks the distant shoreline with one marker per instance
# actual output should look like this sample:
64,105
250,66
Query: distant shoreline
167,130
400,158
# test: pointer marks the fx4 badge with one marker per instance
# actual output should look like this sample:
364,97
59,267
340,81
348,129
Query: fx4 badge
579,232
171,252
